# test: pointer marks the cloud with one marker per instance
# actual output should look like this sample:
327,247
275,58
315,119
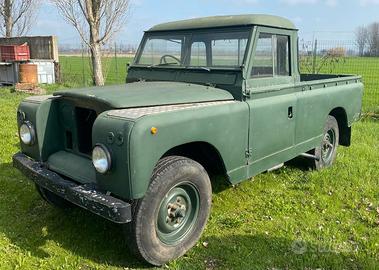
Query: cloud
366,3
242,2
250,1
330,3
297,2
138,3
297,20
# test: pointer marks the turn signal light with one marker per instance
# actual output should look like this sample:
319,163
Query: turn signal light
154,130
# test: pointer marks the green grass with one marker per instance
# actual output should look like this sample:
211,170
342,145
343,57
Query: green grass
288,219
76,72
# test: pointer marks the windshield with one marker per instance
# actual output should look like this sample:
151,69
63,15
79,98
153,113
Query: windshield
203,49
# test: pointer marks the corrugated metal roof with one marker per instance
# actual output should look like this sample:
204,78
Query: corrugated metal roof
224,21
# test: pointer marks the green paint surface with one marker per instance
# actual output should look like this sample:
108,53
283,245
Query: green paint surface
147,94
223,21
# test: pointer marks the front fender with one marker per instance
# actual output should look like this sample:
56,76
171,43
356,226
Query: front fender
224,126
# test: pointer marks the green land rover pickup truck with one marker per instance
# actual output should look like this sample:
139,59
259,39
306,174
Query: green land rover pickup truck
212,95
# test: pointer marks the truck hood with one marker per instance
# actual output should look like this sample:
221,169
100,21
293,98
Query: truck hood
141,94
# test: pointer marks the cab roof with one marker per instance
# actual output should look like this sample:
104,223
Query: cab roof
225,21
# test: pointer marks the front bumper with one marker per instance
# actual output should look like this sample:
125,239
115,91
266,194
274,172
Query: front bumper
85,196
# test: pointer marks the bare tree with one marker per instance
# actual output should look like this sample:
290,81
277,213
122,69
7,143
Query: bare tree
313,61
361,39
373,39
96,21
16,16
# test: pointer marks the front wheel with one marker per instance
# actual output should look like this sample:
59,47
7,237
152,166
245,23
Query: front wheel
53,199
169,220
326,152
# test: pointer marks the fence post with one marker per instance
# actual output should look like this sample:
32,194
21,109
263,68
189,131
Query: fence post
83,72
314,57
115,58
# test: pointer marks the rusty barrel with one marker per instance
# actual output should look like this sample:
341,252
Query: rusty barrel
28,73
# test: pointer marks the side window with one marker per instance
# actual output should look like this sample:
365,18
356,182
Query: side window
283,56
263,62
271,57
228,52
198,54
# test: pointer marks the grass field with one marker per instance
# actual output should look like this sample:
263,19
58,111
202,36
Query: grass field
368,68
76,72
288,219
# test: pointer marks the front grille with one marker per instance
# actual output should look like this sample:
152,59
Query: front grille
85,119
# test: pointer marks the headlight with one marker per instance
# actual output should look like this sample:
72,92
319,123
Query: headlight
101,158
27,133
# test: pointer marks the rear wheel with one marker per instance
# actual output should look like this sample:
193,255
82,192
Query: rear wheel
53,199
326,152
169,220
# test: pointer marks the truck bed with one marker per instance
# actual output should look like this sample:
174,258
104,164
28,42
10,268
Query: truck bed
319,77
314,81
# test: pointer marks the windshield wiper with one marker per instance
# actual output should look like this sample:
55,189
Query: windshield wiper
203,68
171,64
162,65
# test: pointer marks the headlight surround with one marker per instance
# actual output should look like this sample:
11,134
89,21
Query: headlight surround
101,158
27,133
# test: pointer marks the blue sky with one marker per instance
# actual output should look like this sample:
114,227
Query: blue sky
327,19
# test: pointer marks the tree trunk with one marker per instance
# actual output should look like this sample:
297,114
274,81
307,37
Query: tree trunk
8,19
362,49
97,67
97,76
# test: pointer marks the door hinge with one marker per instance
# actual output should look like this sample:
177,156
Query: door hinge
248,153
246,93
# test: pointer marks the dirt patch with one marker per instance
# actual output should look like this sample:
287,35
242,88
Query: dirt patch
29,88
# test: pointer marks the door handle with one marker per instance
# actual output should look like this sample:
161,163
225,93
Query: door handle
290,112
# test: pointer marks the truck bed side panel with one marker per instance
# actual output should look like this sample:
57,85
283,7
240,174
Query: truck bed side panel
319,99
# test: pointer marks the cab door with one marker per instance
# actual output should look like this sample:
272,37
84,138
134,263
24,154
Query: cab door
272,100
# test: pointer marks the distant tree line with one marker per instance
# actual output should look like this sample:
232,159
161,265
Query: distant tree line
367,39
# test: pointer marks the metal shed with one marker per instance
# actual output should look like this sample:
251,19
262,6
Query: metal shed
8,73
46,70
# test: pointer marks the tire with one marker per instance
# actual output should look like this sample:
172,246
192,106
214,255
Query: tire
172,215
327,151
53,199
